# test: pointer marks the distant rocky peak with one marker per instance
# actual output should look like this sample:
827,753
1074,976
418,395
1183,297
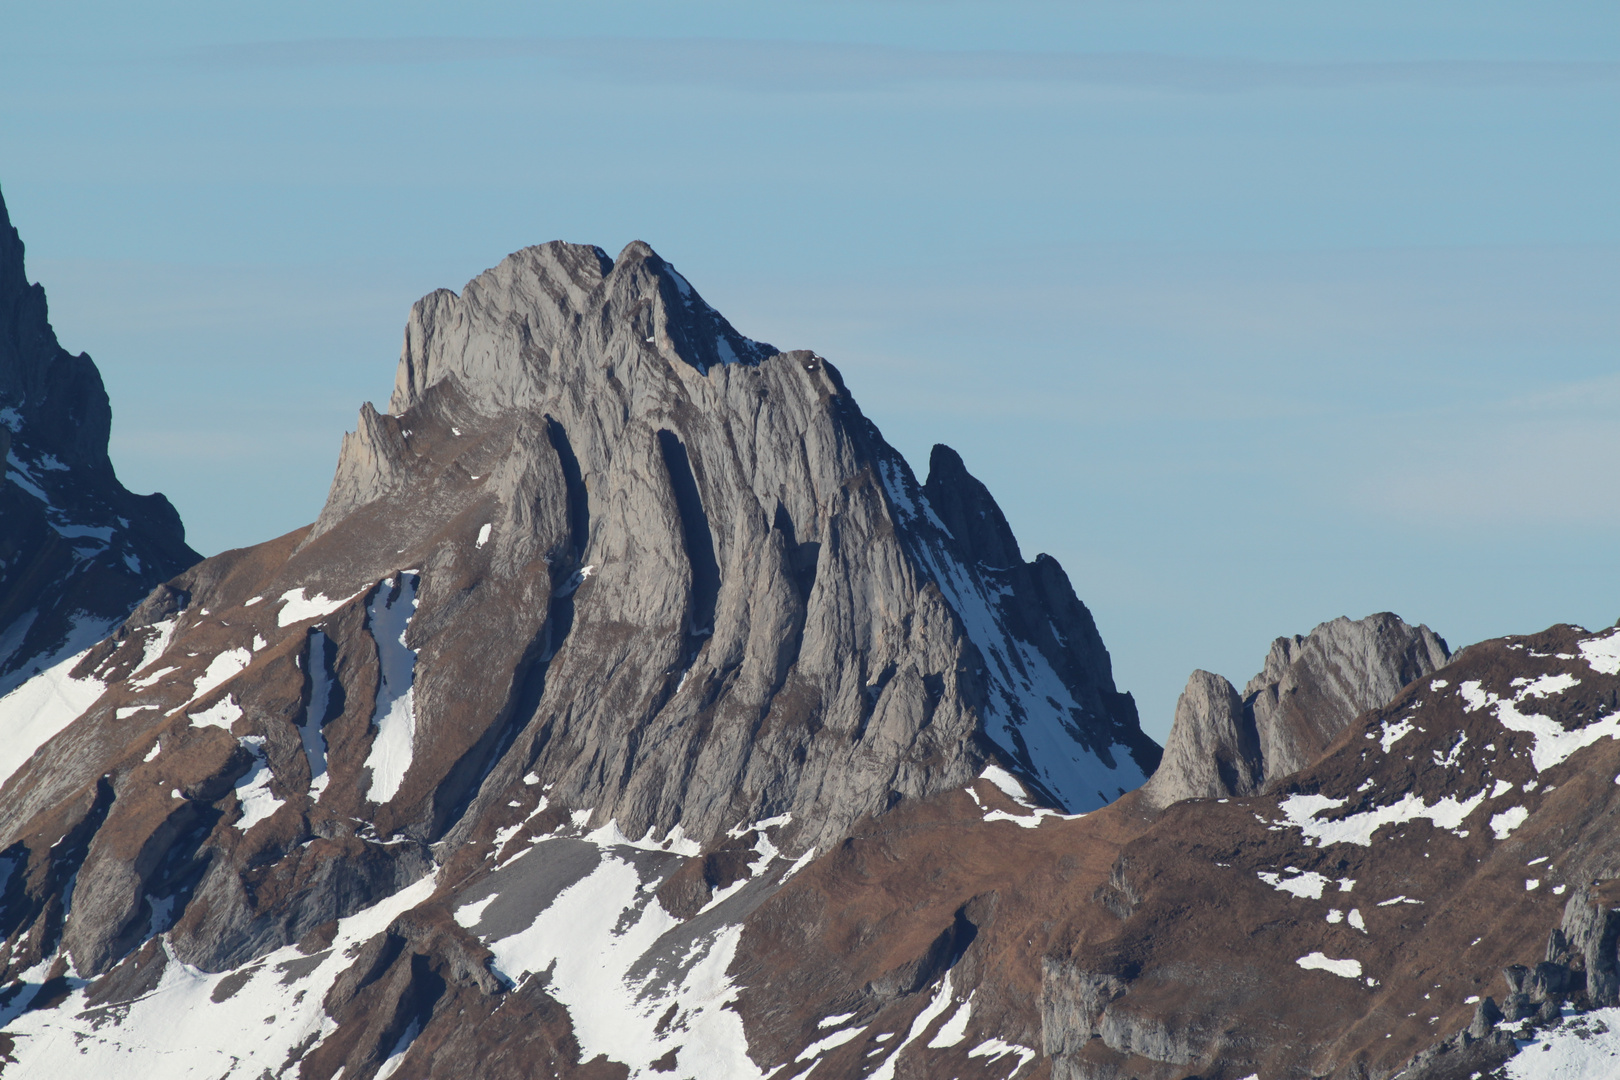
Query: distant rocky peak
51,401
737,602
557,304
1308,691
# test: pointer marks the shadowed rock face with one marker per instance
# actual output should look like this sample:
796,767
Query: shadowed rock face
605,561
1311,687
77,551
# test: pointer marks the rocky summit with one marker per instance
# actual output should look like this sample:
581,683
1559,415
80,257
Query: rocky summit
632,710
77,551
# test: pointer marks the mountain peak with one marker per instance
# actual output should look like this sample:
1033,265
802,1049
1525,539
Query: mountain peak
554,305
78,551
13,278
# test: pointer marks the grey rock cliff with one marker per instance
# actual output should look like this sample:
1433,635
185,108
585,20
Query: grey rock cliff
77,550
771,615
603,554
1310,688
1213,750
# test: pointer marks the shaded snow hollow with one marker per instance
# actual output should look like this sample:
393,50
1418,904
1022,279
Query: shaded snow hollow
388,614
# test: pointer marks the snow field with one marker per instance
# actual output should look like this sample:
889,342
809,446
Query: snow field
178,1032
40,708
1584,1047
593,941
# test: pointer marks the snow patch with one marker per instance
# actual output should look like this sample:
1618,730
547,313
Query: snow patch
1301,810
253,790
1602,653
1544,686
1453,756
1348,969
609,835
1504,823
1307,886
296,607
223,713
1583,1047
954,1030
1394,732
996,1048
388,615
221,669
831,1042
1007,783
1553,744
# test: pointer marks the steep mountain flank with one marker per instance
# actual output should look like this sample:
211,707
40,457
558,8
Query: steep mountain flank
631,711
613,599
77,551
1308,690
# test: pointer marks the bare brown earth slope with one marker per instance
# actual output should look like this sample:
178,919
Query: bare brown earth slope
631,710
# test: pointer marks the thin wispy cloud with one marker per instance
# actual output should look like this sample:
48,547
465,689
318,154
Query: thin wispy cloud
766,65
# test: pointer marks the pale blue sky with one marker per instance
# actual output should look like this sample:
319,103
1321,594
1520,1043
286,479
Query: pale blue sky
1251,314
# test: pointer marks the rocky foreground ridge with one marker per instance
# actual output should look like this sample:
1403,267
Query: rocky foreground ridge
631,710
77,551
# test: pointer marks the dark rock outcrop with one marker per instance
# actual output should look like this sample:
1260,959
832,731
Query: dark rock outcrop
77,551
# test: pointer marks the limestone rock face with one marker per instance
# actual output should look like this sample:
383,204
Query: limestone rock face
77,551
631,711
1310,688
605,564
1213,750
